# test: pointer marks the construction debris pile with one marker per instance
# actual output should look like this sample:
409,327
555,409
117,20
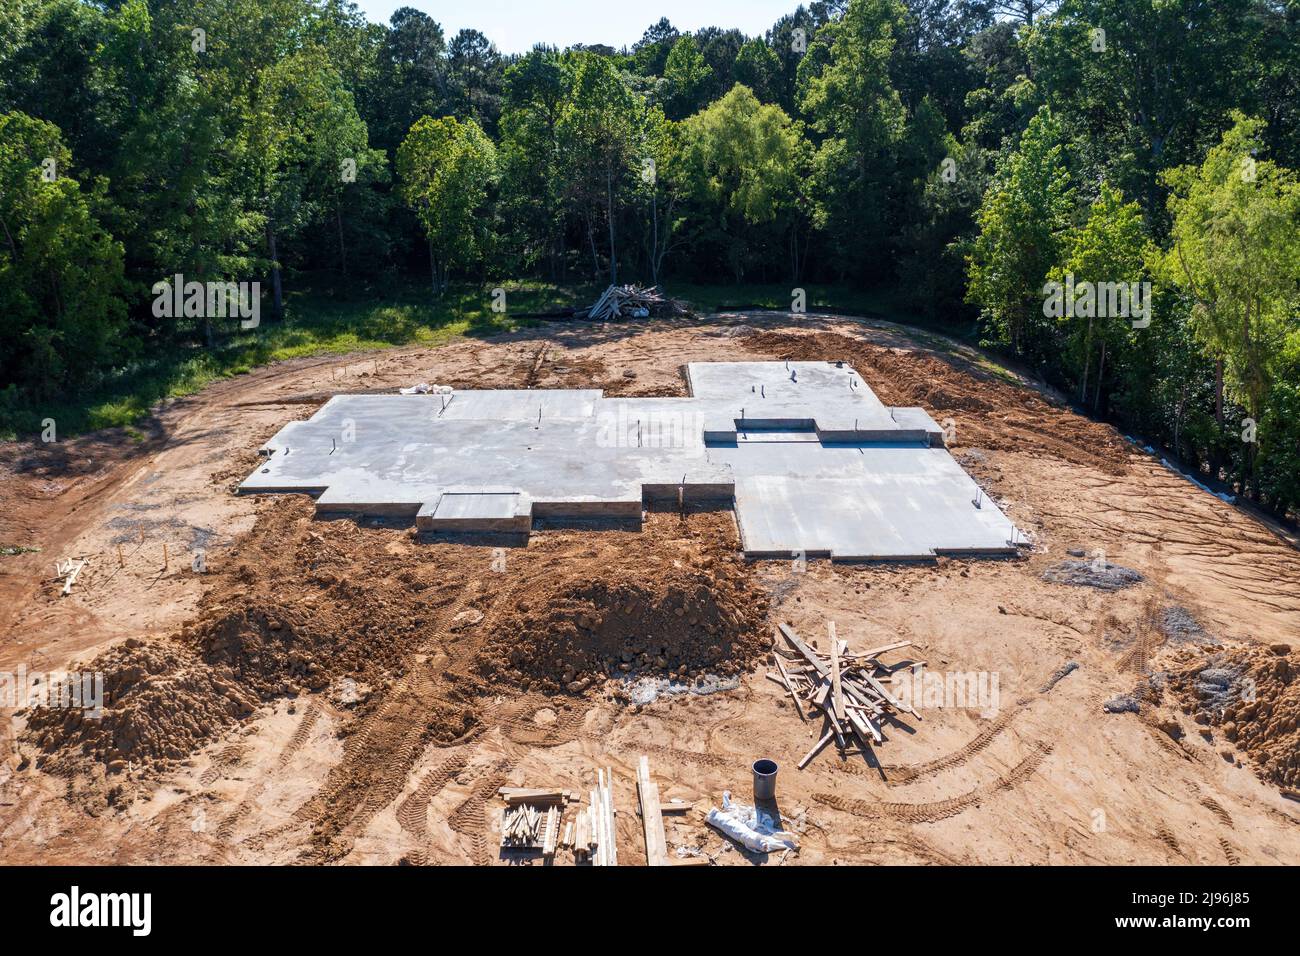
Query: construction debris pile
631,302
846,689
531,820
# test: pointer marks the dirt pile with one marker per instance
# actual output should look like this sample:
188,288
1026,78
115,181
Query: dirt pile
644,616
298,605
987,411
301,604
163,703
1252,695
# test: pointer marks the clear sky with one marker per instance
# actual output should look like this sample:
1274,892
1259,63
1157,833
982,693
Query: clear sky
515,25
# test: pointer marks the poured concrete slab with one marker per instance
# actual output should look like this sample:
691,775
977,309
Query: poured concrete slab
814,462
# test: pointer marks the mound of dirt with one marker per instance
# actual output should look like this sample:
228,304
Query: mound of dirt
1252,695
688,620
987,411
300,604
164,702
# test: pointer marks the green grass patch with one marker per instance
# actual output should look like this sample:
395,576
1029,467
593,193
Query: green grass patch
317,322
840,298
11,550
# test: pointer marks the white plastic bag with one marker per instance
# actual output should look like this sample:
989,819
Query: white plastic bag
751,829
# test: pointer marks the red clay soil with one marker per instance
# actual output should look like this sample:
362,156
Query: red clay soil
988,412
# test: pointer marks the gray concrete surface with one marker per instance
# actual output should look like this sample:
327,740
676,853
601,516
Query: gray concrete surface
814,462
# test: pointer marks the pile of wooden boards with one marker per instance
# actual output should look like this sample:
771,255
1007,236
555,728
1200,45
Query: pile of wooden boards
652,820
67,572
629,301
846,689
532,818
595,839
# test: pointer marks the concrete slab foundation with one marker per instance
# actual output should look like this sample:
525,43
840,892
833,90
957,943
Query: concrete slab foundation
814,463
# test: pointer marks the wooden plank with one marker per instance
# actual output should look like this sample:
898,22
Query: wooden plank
837,689
612,855
813,658
652,821
893,701
517,795
596,838
817,748
552,832
581,837
863,725
798,706
876,651
72,570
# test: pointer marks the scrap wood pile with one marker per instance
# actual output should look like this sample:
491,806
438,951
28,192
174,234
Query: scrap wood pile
531,820
846,689
630,302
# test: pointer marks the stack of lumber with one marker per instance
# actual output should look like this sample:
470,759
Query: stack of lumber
847,690
629,301
652,820
532,818
525,826
594,838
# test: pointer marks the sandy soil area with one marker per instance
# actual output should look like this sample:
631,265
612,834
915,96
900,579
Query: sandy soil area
335,691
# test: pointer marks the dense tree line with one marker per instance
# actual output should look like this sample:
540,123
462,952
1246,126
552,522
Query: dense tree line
1026,168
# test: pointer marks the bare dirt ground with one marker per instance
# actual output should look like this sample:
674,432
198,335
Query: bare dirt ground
343,691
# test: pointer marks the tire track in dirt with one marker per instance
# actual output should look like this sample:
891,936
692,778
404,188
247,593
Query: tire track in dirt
470,818
1166,836
940,809
222,761
522,730
412,813
1229,853
1149,638
1217,809
909,773
379,755
226,829
301,734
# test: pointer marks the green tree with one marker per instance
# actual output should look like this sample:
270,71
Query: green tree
599,134
447,168
759,68
1107,251
1235,253
410,77
686,77
1021,220
474,73
848,96
650,53
536,89
61,280
742,160
1141,84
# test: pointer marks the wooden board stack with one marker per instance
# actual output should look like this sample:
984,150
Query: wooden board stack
629,301
532,818
847,690
595,838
